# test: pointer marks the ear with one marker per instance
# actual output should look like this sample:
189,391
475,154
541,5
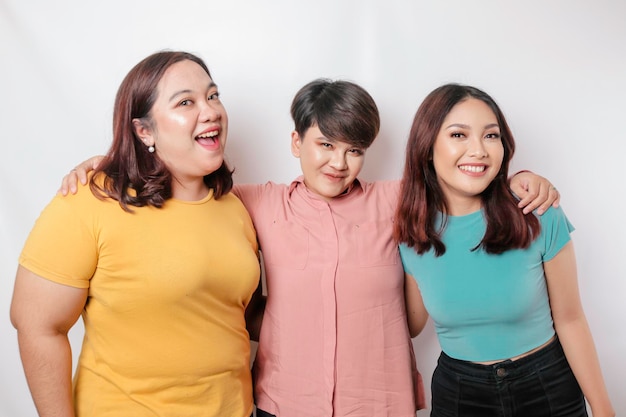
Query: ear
143,132
296,142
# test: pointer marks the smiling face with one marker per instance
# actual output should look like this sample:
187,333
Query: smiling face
329,166
188,124
467,154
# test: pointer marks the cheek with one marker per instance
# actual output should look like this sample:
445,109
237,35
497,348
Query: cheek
173,121
438,166
497,155
181,120
445,156
309,158
445,152
315,155
356,164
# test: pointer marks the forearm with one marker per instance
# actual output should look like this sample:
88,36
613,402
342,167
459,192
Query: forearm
581,354
47,361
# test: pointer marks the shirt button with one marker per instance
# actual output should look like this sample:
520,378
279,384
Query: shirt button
501,372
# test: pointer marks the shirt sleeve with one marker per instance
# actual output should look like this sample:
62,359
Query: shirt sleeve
250,195
555,232
249,228
405,254
60,247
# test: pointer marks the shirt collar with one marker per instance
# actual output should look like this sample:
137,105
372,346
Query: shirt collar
299,182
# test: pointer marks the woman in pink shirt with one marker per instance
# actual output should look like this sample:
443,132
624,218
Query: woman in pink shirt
334,339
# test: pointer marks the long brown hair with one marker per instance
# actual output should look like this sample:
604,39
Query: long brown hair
134,176
421,199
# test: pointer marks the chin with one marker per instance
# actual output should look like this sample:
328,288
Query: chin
335,193
210,170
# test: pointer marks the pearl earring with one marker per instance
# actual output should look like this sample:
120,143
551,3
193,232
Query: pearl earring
151,148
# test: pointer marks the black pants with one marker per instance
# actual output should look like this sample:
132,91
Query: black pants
539,385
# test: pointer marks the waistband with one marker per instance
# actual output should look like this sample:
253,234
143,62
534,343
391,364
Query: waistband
507,368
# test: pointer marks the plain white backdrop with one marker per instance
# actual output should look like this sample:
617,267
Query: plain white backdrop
557,68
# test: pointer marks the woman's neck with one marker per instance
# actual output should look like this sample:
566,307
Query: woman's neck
461,206
189,190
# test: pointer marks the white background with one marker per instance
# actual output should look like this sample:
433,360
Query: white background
557,68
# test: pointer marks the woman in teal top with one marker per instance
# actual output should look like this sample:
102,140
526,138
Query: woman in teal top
500,286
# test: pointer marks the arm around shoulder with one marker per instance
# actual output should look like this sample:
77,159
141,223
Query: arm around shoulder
70,181
534,192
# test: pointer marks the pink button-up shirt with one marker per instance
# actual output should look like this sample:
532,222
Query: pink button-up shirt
334,339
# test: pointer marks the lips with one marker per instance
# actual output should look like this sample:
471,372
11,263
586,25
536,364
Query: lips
209,138
335,178
473,168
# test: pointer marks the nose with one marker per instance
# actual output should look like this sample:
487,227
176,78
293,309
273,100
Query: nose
338,160
477,148
210,111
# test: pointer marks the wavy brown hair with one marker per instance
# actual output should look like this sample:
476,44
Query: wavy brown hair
421,199
132,175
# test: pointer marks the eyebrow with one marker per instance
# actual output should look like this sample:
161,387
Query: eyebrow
464,126
187,91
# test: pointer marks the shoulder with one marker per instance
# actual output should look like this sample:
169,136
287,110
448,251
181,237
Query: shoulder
253,193
258,198
388,187
243,189
554,215
381,194
231,200
555,227
83,198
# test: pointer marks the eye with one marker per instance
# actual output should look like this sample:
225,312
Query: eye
356,151
214,96
457,135
185,102
326,145
493,136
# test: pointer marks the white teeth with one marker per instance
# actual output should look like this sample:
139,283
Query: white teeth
472,168
210,134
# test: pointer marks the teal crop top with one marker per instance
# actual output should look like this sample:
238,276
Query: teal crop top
488,307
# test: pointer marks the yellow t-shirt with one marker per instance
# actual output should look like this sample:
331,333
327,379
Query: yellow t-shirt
164,321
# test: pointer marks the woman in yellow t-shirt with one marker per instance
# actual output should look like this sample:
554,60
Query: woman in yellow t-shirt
158,257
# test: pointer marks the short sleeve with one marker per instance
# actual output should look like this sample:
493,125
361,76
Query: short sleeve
250,195
405,253
555,232
61,247
244,214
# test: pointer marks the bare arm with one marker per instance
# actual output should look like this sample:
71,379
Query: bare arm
43,312
534,191
70,181
573,331
415,310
